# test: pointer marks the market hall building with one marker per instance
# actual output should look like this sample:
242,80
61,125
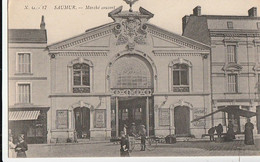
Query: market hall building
128,71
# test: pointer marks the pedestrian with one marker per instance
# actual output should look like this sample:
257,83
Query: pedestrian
11,148
132,131
75,136
124,149
211,132
125,129
21,147
249,140
230,132
142,133
219,130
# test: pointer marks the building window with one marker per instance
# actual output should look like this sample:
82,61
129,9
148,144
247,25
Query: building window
230,25
24,93
81,78
231,53
232,83
24,63
180,78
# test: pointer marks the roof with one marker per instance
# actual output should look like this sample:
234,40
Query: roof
231,17
197,29
27,36
200,27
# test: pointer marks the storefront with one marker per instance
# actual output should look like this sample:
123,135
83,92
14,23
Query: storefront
32,122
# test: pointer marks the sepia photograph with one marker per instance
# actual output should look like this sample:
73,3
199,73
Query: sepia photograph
131,78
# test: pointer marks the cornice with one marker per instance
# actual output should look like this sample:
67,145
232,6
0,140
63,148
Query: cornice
234,33
87,36
179,53
79,95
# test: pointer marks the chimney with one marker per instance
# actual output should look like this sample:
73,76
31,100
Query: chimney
185,20
42,26
252,12
197,11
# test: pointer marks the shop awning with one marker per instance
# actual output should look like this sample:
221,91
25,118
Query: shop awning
231,110
23,115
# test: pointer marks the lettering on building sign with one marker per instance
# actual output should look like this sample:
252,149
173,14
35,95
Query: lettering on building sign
164,117
62,119
196,114
100,118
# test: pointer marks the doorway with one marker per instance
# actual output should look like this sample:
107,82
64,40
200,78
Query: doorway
182,121
82,122
131,110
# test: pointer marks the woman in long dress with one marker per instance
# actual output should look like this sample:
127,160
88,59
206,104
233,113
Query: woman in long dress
21,147
230,133
11,148
249,140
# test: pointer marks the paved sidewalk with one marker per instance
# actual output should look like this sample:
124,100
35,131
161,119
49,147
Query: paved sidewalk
189,148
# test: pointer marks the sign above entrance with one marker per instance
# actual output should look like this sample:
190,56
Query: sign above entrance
132,92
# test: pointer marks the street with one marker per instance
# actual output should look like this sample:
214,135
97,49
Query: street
107,149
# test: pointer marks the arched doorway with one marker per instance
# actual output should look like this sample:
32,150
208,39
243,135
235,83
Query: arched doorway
82,122
182,120
131,82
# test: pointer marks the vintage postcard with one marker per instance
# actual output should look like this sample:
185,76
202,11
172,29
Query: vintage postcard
132,78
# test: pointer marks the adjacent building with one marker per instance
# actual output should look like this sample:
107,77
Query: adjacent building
28,65
235,58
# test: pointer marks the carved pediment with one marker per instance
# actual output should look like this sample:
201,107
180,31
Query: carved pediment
95,37
233,67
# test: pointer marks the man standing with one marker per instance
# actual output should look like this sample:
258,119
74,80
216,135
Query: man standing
132,131
124,149
143,135
249,140
211,132
219,130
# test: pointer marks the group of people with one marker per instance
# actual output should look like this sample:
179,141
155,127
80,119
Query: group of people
218,129
230,135
17,149
131,132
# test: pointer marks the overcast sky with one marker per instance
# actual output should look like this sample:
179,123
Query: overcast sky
63,24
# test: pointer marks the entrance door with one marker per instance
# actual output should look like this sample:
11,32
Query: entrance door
132,110
182,121
82,122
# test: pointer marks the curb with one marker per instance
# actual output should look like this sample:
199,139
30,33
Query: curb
59,144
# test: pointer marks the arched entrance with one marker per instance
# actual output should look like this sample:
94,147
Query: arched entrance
182,120
82,122
131,82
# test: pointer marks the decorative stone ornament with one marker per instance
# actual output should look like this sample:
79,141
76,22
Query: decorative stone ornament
131,28
130,2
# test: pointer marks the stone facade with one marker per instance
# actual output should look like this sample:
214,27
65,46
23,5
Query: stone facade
130,41
235,52
28,83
